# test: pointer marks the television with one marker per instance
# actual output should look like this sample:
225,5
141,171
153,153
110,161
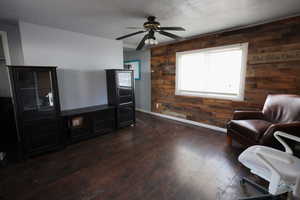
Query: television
124,79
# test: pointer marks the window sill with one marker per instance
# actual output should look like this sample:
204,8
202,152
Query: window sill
210,95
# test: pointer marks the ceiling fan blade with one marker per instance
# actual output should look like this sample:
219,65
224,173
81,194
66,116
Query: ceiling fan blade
142,42
131,34
171,29
171,35
136,28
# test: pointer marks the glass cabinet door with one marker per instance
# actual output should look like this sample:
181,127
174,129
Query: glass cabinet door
35,90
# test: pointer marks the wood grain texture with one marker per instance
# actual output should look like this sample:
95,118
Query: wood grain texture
273,67
158,159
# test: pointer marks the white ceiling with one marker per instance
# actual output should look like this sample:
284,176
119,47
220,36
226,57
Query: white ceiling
109,18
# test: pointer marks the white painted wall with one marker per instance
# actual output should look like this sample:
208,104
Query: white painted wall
14,42
81,60
143,86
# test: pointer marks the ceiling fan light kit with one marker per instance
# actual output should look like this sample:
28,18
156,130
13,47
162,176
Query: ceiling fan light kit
151,27
151,41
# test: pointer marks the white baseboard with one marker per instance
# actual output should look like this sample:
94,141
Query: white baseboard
216,128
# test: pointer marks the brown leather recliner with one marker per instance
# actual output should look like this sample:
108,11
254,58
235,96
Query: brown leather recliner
280,113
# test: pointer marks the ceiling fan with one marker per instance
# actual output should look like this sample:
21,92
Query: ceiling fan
151,27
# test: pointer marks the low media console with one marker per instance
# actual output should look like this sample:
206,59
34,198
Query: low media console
88,122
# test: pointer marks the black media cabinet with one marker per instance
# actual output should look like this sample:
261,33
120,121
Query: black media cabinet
88,122
120,93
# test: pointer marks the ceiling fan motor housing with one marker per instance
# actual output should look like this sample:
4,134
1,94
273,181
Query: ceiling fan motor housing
151,23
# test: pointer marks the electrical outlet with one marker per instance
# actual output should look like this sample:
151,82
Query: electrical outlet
157,105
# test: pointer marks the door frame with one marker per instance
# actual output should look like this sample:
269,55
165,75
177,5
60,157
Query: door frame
5,47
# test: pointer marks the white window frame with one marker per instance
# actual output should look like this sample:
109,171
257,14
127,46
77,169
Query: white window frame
239,97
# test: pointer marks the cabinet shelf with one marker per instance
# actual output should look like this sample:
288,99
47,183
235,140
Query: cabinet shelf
43,109
125,95
34,88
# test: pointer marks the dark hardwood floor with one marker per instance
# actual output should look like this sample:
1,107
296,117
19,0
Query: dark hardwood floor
157,159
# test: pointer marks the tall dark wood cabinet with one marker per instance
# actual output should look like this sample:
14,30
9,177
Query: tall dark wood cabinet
120,91
37,109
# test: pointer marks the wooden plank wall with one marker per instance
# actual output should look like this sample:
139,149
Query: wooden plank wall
273,67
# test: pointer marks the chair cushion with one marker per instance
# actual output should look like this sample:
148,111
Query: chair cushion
253,129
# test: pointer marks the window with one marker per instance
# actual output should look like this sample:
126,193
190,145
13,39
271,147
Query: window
214,72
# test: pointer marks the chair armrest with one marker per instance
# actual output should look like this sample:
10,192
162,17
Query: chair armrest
266,153
290,127
239,115
279,134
